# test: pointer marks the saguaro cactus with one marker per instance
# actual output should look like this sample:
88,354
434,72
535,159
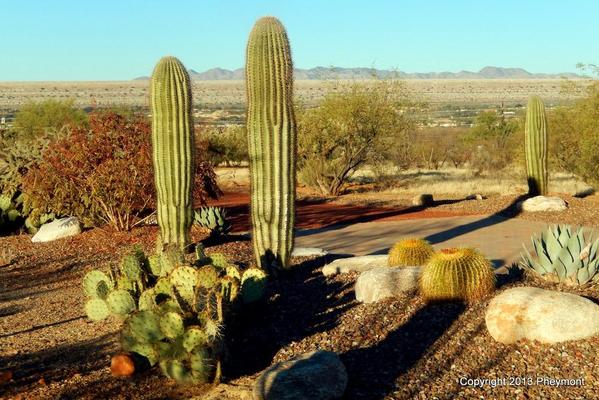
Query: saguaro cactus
535,143
173,150
271,131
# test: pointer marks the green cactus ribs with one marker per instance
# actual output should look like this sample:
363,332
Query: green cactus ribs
457,274
172,150
271,131
535,143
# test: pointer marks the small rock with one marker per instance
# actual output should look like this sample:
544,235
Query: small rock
359,263
308,252
538,314
122,365
382,282
57,229
476,196
543,203
318,375
423,200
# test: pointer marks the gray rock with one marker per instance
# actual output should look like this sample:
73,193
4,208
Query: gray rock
308,252
543,203
544,315
319,375
57,229
360,264
476,196
423,200
382,282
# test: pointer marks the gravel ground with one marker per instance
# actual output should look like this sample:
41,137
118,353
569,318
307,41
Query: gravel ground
400,348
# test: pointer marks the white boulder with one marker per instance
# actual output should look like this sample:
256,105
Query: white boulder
543,203
57,229
382,282
538,314
359,263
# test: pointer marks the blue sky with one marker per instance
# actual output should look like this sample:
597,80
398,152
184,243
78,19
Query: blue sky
122,39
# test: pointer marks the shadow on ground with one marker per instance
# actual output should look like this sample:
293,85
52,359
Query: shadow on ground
302,303
398,352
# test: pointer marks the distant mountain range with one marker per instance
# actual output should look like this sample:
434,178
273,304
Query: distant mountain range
220,74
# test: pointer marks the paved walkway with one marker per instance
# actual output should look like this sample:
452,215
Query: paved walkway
500,239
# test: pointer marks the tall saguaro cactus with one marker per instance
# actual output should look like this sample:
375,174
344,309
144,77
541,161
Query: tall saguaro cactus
535,143
271,131
173,150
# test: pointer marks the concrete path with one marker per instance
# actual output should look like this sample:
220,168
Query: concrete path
500,239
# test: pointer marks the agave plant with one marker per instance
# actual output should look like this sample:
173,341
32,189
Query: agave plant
564,255
213,218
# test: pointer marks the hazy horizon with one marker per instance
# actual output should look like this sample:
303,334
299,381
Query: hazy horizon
120,41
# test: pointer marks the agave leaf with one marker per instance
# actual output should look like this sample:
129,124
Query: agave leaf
583,276
531,263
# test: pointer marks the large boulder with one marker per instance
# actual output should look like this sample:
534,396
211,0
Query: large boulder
538,314
359,264
319,375
543,203
382,282
57,229
308,252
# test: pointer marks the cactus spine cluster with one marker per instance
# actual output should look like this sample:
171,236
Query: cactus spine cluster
457,274
271,131
535,143
410,252
172,150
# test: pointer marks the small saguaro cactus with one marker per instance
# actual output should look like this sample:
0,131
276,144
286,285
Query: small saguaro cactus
535,143
271,131
172,150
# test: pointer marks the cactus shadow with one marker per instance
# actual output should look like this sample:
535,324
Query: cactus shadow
373,371
58,363
301,303
512,210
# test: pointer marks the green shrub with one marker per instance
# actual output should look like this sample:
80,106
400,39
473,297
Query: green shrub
574,140
494,141
349,128
226,145
47,117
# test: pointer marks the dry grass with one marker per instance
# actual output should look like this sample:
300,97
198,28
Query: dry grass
442,182
462,182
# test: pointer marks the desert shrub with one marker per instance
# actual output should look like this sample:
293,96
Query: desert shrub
350,127
226,145
574,137
494,140
103,174
47,117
